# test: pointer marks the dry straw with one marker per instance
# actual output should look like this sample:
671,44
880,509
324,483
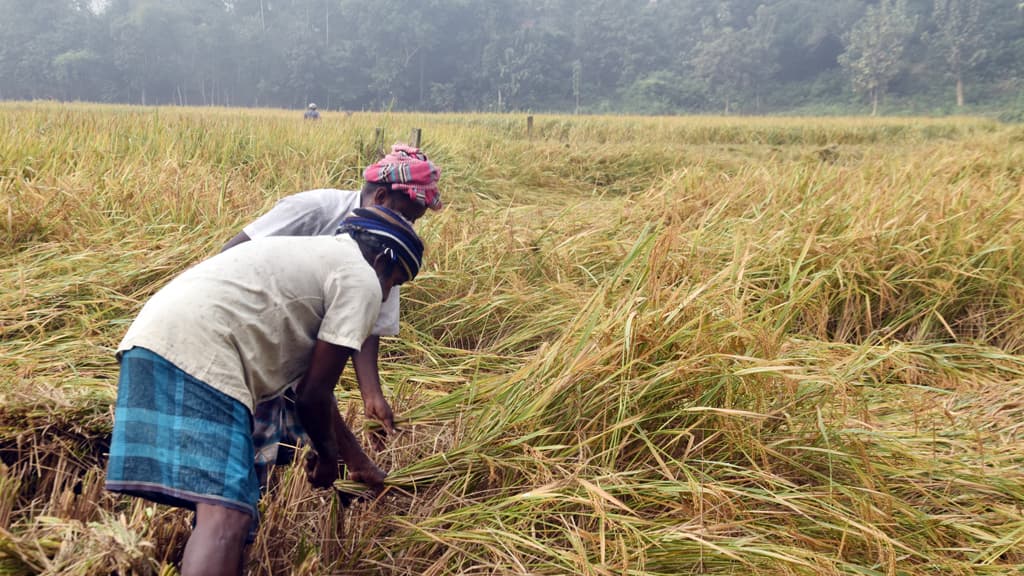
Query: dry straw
639,346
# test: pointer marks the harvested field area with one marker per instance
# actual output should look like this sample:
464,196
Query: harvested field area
648,346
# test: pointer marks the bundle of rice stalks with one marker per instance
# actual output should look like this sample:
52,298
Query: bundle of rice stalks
56,546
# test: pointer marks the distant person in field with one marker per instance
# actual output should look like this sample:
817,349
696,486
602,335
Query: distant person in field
404,181
311,112
235,330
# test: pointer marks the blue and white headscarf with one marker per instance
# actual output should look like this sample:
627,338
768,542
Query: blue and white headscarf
394,231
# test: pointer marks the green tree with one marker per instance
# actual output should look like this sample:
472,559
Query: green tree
736,62
154,44
526,61
406,66
42,45
722,62
662,56
875,46
959,36
809,35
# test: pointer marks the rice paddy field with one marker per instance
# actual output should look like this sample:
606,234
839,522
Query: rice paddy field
643,346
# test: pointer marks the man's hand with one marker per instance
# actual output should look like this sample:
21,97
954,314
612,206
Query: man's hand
320,472
370,475
377,408
374,404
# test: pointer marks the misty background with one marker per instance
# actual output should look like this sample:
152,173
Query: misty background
594,56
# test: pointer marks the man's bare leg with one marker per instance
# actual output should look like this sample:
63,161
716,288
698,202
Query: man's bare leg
217,542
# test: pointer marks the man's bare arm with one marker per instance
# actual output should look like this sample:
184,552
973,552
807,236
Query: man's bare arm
318,413
367,374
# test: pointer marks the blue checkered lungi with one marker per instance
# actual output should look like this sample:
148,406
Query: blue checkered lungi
276,434
179,441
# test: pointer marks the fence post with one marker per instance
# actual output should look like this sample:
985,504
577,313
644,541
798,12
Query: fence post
378,141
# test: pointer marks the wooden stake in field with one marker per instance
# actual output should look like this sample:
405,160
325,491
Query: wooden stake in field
378,142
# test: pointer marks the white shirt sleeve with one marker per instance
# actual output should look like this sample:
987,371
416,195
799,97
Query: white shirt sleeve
387,321
352,301
310,213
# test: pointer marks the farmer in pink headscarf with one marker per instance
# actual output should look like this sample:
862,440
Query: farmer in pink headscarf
404,181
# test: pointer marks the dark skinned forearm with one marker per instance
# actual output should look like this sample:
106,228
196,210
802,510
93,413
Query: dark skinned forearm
349,450
317,408
365,363
314,401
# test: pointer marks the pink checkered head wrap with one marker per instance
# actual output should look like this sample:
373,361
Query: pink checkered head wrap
408,170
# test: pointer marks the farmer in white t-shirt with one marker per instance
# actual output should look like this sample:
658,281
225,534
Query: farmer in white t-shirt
404,181
229,333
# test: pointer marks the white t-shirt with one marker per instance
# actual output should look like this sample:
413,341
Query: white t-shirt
246,320
318,213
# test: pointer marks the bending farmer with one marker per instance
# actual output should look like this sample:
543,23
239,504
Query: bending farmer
233,331
404,181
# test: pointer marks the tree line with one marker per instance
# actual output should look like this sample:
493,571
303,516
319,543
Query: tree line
596,56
